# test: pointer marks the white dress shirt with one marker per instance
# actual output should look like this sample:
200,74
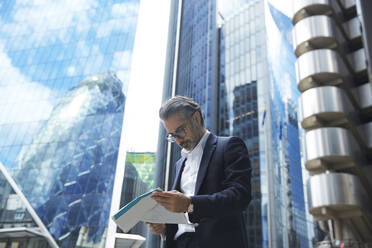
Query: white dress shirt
188,177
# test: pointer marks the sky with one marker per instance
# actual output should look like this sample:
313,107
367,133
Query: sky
228,7
141,121
284,6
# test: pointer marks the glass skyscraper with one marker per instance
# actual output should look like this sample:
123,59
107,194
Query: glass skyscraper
197,56
191,69
256,98
64,72
138,179
258,102
194,51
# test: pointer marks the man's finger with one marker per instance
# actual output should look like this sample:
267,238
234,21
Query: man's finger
161,199
162,194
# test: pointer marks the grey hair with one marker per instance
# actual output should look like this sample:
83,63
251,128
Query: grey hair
180,105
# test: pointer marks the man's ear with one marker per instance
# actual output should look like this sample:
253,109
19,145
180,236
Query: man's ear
197,117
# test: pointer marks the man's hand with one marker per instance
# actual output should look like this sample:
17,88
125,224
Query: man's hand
173,201
156,229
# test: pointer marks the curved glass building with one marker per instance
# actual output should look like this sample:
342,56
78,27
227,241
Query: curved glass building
64,73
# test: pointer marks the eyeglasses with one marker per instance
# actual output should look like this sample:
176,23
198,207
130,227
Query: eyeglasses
180,133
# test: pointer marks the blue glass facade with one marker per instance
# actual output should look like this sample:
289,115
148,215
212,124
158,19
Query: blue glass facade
242,64
191,69
138,179
64,71
288,206
75,172
238,112
258,102
197,57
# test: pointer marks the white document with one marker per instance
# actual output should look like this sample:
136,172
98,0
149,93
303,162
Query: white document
144,208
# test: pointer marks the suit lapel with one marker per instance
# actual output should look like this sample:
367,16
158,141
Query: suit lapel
209,148
179,169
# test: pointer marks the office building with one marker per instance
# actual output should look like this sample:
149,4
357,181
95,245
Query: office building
197,56
191,69
332,40
255,96
258,102
64,72
138,179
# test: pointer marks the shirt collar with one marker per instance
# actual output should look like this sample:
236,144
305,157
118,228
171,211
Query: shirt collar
198,147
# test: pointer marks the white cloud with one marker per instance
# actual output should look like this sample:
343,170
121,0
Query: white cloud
284,6
275,42
105,28
16,90
23,2
122,60
40,2
94,63
124,76
125,18
21,100
39,18
82,49
229,7
123,24
287,94
71,70
127,9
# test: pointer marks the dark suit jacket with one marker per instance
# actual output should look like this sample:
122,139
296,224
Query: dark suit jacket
222,192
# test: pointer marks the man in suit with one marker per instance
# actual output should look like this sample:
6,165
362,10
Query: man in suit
212,182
